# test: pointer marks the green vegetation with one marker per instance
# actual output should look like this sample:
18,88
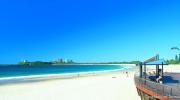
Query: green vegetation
131,62
176,59
34,63
172,61
59,61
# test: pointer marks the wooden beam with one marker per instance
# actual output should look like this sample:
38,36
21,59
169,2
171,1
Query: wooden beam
152,93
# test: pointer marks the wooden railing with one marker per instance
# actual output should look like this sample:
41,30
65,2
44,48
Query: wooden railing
171,91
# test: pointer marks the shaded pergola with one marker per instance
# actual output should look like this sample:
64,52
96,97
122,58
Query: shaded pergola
158,85
156,62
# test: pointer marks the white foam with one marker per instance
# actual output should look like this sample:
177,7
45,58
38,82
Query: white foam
62,74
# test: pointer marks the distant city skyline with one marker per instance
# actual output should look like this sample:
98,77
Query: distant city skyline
88,30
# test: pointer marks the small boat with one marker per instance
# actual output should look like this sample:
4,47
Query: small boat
157,84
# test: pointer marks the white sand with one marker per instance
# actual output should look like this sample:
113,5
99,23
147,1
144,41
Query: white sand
167,68
84,88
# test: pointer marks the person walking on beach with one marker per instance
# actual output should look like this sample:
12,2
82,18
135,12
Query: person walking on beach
127,74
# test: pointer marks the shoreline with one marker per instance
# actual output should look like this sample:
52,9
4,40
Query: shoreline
43,77
68,64
99,64
112,86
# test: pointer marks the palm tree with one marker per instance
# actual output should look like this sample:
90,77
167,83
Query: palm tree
175,48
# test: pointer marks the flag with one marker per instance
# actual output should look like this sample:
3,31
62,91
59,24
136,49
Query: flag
152,59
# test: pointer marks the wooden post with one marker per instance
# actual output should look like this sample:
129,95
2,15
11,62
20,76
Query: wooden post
156,71
145,71
140,69
162,70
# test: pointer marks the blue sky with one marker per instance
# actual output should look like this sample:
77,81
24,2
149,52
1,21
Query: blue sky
88,30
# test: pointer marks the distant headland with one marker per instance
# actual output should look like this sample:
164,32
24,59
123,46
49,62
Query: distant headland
67,62
61,61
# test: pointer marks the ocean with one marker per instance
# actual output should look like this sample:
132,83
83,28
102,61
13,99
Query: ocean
19,70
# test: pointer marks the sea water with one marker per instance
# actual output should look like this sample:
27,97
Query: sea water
19,70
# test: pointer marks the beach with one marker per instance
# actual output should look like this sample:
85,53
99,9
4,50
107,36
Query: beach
167,68
111,86
114,85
